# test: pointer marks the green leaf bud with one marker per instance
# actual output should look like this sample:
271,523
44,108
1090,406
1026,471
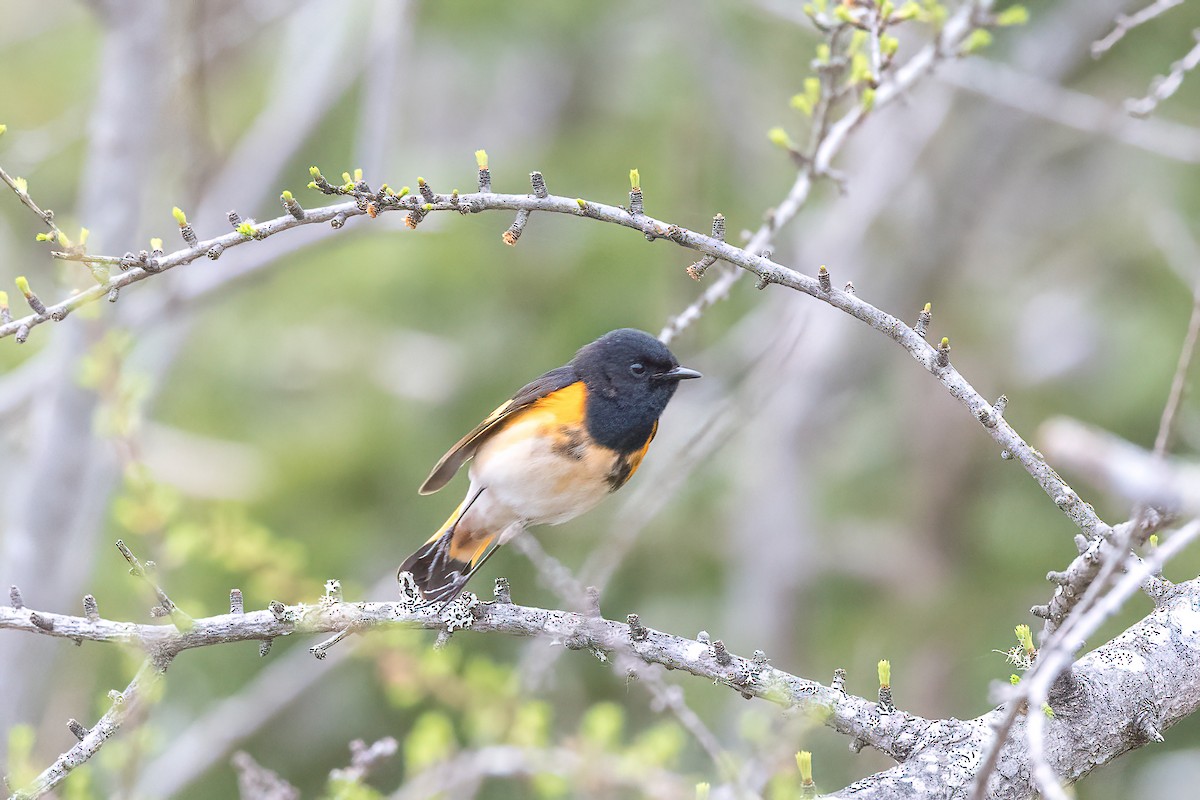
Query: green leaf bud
978,40
481,159
180,217
23,285
885,673
804,764
779,137
1013,15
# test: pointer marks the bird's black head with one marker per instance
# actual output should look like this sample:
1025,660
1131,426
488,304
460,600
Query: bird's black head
630,377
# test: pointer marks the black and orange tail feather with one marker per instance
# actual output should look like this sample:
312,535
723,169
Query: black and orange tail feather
438,575
442,566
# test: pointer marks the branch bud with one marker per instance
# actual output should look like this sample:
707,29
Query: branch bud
804,764
824,280
923,320
539,185
31,298
943,353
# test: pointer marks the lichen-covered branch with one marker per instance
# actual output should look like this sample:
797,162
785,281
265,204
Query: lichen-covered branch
848,714
1143,680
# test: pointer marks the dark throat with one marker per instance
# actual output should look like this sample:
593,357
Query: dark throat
623,424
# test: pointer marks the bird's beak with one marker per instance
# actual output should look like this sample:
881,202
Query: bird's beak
678,374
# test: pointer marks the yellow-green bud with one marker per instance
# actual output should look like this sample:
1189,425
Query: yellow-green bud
1025,637
1154,540
582,203
928,308
357,174
346,178
63,241
1048,711
180,217
84,233
635,179
804,764
945,341
45,237
3,299
245,229
403,191
823,53
885,673
23,285
1013,15
22,185
314,171
909,10
286,196
156,243
978,40
843,14
868,98
1014,679
312,184
888,45
481,159
702,791
779,137
428,206
3,129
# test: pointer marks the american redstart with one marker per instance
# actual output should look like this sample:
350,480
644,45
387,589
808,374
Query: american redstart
550,453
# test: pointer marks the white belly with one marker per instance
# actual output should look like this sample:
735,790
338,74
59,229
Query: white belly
526,481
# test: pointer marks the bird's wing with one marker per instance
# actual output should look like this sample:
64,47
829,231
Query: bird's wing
449,464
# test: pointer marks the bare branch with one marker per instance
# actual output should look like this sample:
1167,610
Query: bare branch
1127,22
1163,86
125,705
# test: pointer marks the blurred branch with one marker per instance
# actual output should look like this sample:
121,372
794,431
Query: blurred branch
1127,22
665,696
1123,468
256,782
1073,109
21,190
1163,86
455,777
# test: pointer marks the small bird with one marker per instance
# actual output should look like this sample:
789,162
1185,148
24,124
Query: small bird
550,453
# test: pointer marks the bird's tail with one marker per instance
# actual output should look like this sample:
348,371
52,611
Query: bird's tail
442,566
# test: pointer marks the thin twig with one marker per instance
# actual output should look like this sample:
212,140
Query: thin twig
124,705
1127,22
1163,86
47,216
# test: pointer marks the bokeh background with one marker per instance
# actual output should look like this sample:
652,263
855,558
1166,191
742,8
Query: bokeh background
263,421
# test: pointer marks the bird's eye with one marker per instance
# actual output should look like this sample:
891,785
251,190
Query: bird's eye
638,369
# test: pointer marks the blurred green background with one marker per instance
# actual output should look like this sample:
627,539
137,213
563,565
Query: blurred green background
263,421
